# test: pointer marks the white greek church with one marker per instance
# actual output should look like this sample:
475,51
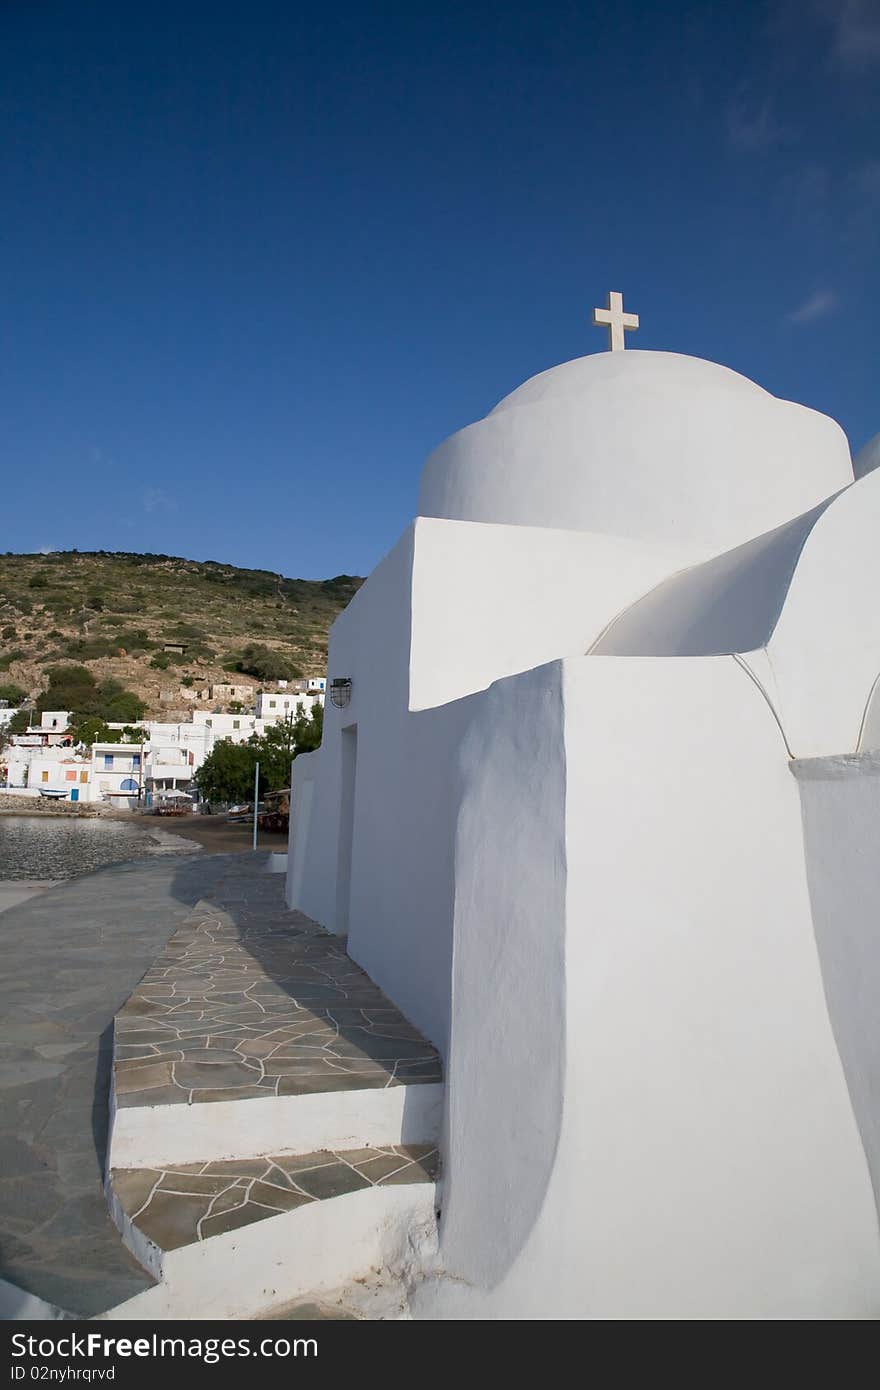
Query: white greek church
598,808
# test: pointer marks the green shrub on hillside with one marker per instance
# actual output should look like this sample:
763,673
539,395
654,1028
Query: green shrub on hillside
263,664
89,648
135,641
75,688
62,602
92,605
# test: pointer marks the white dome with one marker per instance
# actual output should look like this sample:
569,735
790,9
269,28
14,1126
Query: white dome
601,370
651,445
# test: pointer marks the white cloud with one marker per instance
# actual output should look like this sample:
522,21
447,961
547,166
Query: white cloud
46,550
855,26
155,500
818,306
752,125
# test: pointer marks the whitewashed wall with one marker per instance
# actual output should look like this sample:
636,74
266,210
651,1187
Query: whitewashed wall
488,601
451,608
801,605
400,925
700,1157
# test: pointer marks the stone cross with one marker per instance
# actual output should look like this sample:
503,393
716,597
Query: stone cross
615,320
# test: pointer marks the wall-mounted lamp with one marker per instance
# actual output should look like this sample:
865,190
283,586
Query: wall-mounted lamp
340,691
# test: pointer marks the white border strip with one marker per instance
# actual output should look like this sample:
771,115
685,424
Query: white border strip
375,1232
151,1136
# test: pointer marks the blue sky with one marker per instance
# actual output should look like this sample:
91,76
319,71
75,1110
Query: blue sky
258,259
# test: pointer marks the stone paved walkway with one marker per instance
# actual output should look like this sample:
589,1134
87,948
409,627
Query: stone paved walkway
191,1202
245,1000
250,1000
70,958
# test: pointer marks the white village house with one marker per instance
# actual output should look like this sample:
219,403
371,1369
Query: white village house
117,771
172,752
596,806
275,705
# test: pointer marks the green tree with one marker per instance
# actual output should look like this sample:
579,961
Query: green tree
275,749
263,664
90,728
70,687
118,704
284,741
12,694
75,688
227,774
309,730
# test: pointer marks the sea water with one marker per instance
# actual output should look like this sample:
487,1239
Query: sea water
42,847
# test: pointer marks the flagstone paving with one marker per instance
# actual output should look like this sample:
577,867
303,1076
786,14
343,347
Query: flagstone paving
250,1000
70,957
246,999
192,1202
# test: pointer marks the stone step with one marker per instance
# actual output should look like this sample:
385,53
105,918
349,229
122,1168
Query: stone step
254,1032
71,957
234,1238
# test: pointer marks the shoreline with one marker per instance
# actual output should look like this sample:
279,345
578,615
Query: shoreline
213,833
203,830
81,813
203,836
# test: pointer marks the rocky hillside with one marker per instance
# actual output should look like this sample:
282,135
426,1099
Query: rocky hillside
115,613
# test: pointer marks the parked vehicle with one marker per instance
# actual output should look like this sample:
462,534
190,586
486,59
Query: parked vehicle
276,817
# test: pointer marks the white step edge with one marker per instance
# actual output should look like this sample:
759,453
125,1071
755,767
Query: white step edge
152,1136
317,1248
